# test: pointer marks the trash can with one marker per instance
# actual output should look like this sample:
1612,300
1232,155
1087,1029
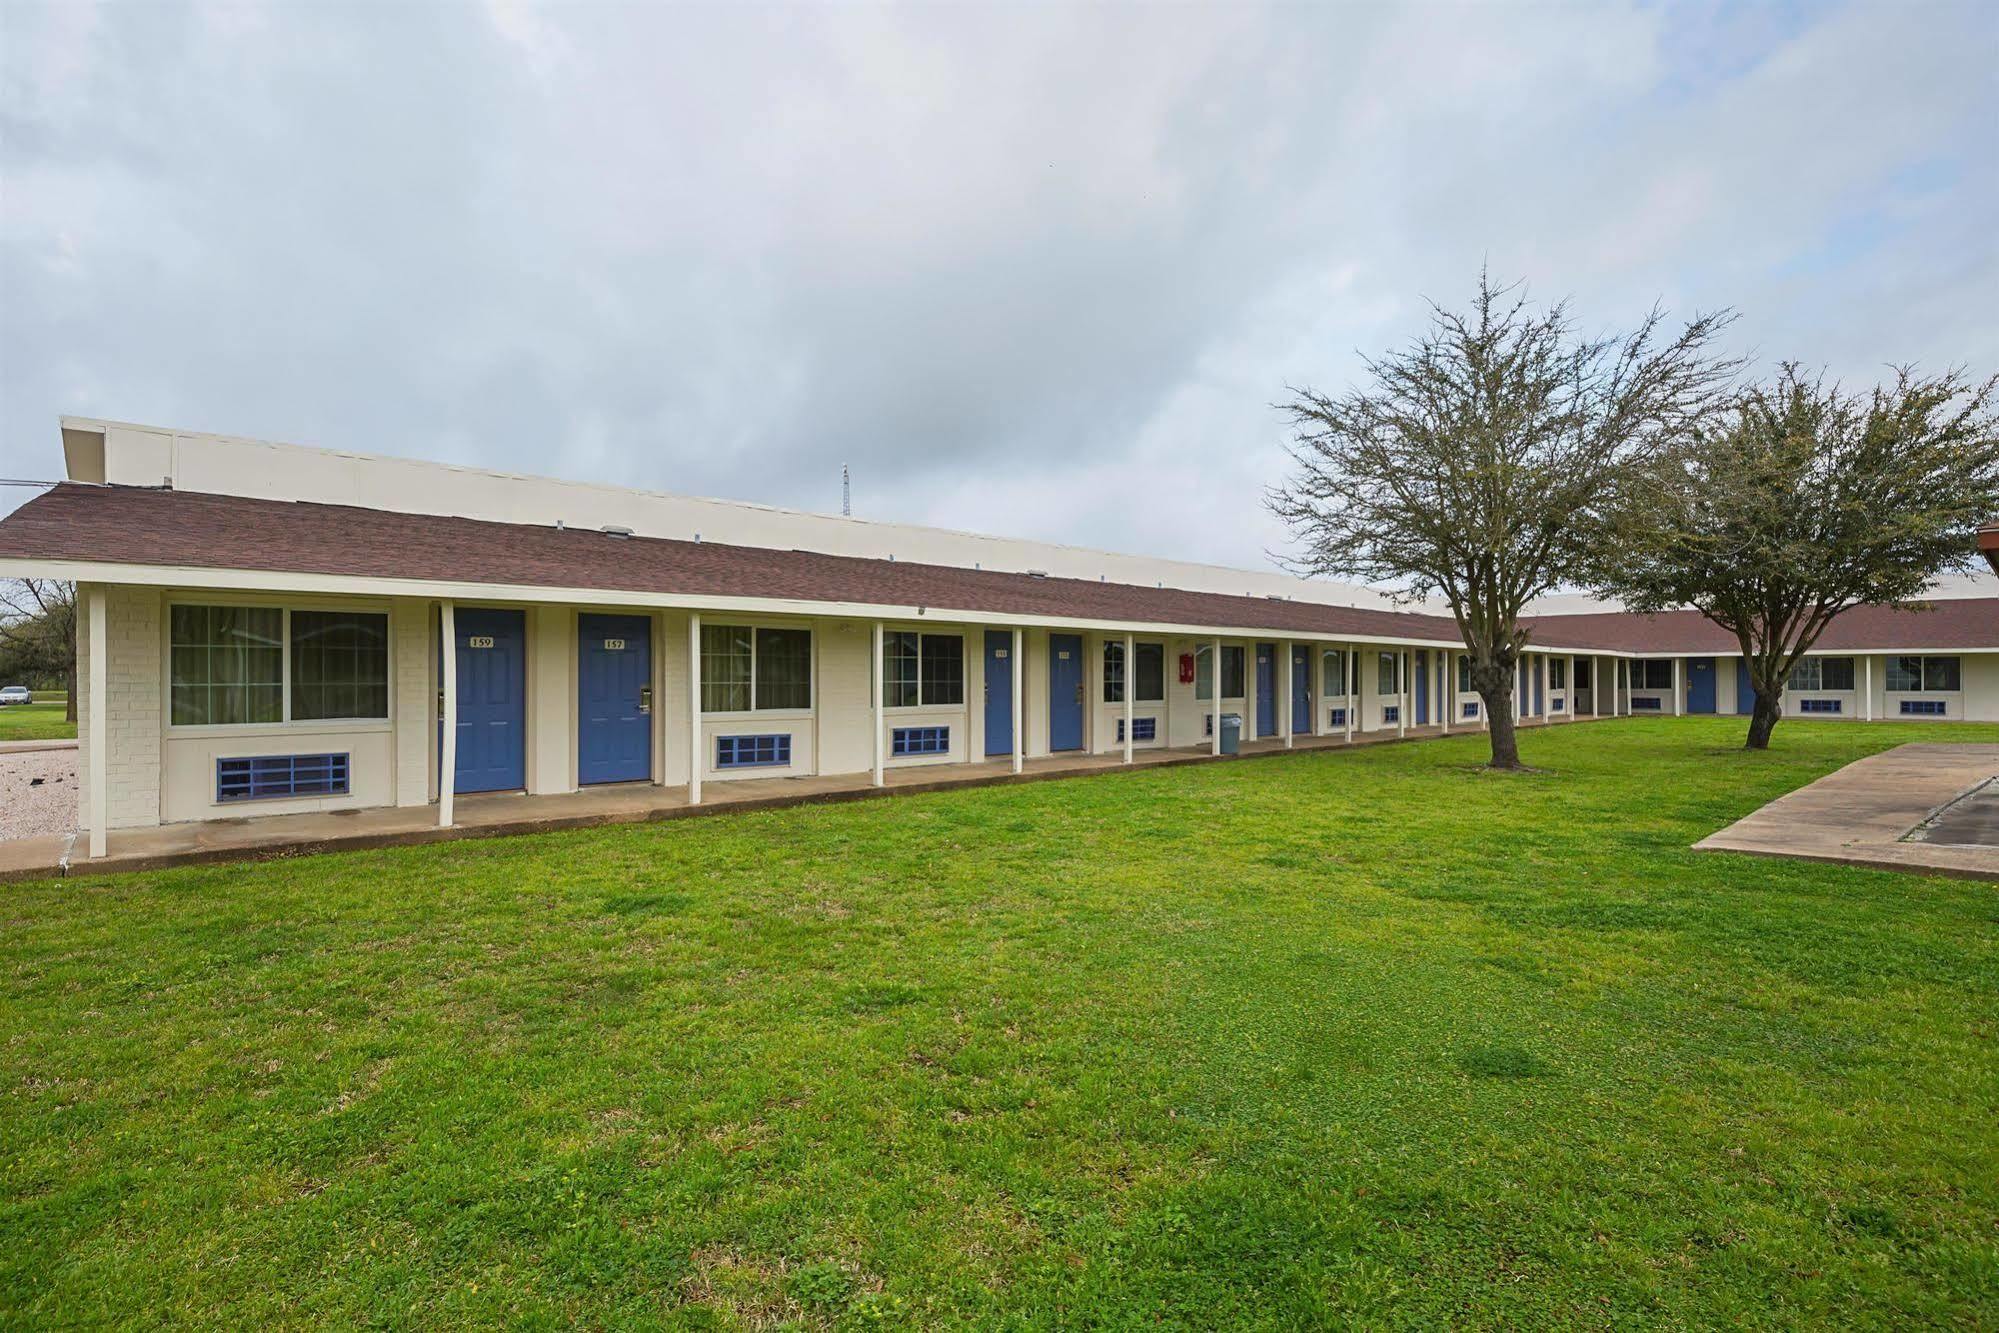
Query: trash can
1231,732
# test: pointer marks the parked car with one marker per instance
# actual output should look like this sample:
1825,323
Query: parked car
15,694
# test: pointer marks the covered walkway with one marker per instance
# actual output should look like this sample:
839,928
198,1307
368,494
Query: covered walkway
488,816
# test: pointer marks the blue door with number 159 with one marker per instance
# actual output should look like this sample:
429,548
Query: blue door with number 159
492,700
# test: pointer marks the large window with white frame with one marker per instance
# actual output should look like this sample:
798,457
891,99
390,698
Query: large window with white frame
755,669
922,670
1149,672
1822,673
1387,676
1652,673
1927,675
231,665
1333,673
1558,673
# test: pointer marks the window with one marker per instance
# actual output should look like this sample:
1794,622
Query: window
920,740
1149,676
752,751
1204,673
1232,673
1937,674
269,776
1558,673
1822,673
1151,685
1471,710
784,669
747,670
1922,708
1582,673
1464,673
340,665
1333,672
1385,675
226,665
1819,705
1652,674
1336,718
1392,713
922,670
1142,729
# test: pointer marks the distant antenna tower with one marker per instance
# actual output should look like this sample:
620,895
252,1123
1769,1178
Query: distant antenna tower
846,494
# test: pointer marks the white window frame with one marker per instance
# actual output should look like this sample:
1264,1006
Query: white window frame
285,723
725,621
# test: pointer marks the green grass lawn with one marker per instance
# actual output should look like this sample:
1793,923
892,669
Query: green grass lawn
1365,1038
38,721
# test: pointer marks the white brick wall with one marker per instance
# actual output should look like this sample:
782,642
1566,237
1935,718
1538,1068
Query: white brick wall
416,700
134,629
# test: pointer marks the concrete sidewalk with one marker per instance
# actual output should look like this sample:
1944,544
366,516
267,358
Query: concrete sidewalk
1873,813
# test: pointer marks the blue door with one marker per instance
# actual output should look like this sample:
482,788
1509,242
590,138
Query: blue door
1422,689
1700,684
613,698
999,691
1065,691
492,700
1745,693
1301,691
1266,689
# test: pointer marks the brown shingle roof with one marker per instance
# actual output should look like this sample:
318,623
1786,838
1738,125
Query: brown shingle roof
141,526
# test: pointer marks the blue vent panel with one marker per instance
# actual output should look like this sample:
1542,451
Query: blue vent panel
1392,713
1819,706
1922,707
773,751
921,740
1338,718
1142,729
1471,710
1641,705
265,777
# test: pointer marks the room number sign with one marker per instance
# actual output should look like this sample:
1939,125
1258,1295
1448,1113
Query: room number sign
614,645
479,641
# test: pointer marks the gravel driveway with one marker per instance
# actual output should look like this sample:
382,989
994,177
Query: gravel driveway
31,808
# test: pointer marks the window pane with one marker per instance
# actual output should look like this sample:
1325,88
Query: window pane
1384,674
1940,673
226,664
783,668
1204,672
1558,673
899,669
1113,673
1232,673
725,668
1150,673
1805,675
340,664
1333,673
1835,673
1905,673
943,670
1464,674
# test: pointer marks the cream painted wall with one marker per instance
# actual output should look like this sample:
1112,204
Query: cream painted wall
133,635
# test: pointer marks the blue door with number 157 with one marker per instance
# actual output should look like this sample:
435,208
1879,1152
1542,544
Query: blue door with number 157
613,698
1065,692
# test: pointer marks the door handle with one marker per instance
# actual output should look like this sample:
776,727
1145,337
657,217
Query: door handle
440,704
645,698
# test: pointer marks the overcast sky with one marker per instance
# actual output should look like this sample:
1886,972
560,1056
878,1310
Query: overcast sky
1040,271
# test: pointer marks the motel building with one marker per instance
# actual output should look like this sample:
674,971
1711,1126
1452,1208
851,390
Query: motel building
271,635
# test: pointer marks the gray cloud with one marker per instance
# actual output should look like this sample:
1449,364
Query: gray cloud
1039,271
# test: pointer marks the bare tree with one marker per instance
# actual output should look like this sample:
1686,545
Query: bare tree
1481,463
1803,501
38,630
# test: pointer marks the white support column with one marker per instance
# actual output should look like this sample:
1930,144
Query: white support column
1286,699
447,759
696,751
1866,689
1448,688
1019,723
1403,696
100,724
878,674
1130,689
1350,680
1676,687
1215,696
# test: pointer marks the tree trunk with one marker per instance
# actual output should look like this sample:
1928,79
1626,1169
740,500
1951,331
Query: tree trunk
1763,721
1499,723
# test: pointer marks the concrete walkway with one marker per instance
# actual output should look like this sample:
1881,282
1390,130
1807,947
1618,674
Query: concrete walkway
1876,812
496,815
